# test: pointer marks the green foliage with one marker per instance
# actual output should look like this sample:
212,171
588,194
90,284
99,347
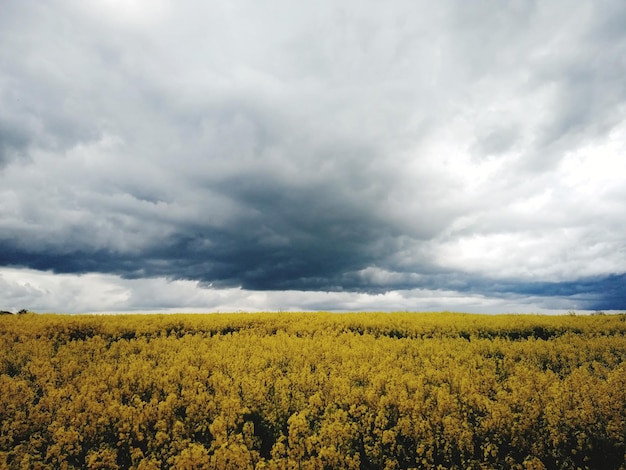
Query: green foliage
312,391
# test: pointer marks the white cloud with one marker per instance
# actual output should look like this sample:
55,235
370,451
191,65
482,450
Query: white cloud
98,293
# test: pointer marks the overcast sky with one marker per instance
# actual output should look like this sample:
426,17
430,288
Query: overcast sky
332,155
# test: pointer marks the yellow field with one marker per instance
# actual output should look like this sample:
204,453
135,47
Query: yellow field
312,391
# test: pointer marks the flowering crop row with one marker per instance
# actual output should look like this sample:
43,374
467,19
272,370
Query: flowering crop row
313,391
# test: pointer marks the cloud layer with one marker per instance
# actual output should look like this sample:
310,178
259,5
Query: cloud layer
364,150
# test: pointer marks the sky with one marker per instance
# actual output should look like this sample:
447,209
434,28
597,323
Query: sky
245,155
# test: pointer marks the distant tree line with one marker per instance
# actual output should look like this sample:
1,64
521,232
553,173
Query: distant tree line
7,312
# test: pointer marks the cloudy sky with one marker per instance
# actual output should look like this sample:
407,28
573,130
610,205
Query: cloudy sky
333,155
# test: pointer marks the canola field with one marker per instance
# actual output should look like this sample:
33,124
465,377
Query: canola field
313,391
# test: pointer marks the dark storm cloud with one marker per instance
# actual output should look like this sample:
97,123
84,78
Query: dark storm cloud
289,238
587,293
324,147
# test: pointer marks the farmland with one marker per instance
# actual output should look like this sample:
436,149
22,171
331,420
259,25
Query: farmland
313,390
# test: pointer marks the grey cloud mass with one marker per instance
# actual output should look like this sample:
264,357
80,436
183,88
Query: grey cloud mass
333,155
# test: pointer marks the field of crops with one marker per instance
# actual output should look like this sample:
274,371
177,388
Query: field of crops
313,391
